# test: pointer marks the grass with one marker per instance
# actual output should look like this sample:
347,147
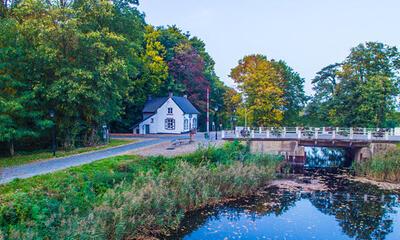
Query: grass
128,197
382,167
29,157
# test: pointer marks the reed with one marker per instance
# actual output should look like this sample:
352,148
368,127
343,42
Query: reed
129,197
383,167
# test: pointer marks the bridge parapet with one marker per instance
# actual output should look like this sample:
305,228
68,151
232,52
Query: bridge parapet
315,133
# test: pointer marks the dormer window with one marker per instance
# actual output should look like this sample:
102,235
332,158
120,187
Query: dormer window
170,110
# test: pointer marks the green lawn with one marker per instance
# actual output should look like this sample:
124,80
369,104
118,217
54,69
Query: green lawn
40,155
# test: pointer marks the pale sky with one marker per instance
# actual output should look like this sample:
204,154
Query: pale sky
307,34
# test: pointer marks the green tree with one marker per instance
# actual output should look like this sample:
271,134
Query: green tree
261,84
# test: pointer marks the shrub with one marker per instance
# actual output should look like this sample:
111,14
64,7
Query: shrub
383,167
124,197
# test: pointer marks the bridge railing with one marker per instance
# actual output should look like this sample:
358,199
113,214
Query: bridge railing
340,133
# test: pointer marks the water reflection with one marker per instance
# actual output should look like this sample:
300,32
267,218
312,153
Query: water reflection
322,157
347,211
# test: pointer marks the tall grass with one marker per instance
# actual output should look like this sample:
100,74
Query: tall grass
383,167
128,198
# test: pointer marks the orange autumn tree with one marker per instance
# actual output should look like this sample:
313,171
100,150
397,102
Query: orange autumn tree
262,89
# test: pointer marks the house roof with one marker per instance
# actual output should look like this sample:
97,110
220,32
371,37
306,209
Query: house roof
183,103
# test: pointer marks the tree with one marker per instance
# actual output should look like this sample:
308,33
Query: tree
294,95
261,84
361,91
187,69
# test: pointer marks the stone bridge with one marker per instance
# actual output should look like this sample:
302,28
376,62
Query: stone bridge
362,143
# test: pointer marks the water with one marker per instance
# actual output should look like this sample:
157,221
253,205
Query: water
323,157
345,210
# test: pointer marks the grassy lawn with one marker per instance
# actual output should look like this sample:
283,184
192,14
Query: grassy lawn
40,155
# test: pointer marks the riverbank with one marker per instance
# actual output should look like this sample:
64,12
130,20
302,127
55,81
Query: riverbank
382,168
127,197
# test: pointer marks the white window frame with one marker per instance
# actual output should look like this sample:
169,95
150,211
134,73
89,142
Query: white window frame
169,124
170,111
186,124
194,123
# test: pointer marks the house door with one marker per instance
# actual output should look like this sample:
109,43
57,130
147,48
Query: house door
147,129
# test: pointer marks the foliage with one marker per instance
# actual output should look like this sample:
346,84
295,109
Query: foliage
361,91
273,93
92,67
383,167
126,196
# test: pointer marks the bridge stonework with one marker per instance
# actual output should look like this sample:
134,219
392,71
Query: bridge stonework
373,149
291,149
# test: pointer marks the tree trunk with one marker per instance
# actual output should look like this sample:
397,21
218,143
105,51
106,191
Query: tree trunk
12,151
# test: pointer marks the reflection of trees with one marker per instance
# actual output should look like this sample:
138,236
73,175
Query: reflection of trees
255,207
325,157
360,216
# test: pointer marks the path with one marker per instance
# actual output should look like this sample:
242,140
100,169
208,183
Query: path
48,166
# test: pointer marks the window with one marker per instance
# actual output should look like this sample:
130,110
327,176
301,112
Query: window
170,124
194,122
170,110
186,124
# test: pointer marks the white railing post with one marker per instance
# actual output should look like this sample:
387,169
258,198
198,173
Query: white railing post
236,133
223,134
267,133
252,133
364,131
337,129
369,135
333,134
316,133
298,134
284,132
323,130
351,133
386,135
259,130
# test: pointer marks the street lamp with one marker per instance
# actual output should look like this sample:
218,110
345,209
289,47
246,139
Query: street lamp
53,131
216,123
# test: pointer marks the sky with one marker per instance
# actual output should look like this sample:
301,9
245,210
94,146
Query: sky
307,34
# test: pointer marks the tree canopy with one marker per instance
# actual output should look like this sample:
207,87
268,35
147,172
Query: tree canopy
360,91
93,62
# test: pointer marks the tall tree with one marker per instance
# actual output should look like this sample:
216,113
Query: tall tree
261,84
361,91
294,95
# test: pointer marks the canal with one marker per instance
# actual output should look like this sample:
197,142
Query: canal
336,209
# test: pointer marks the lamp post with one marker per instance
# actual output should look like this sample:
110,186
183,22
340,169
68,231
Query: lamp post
53,131
216,123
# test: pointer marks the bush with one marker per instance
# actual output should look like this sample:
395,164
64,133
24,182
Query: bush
124,197
383,167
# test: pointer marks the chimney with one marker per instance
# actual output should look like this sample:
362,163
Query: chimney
185,96
170,94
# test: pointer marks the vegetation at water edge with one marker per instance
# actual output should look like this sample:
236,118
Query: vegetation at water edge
127,196
382,167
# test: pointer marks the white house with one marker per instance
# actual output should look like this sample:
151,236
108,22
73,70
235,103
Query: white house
170,114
